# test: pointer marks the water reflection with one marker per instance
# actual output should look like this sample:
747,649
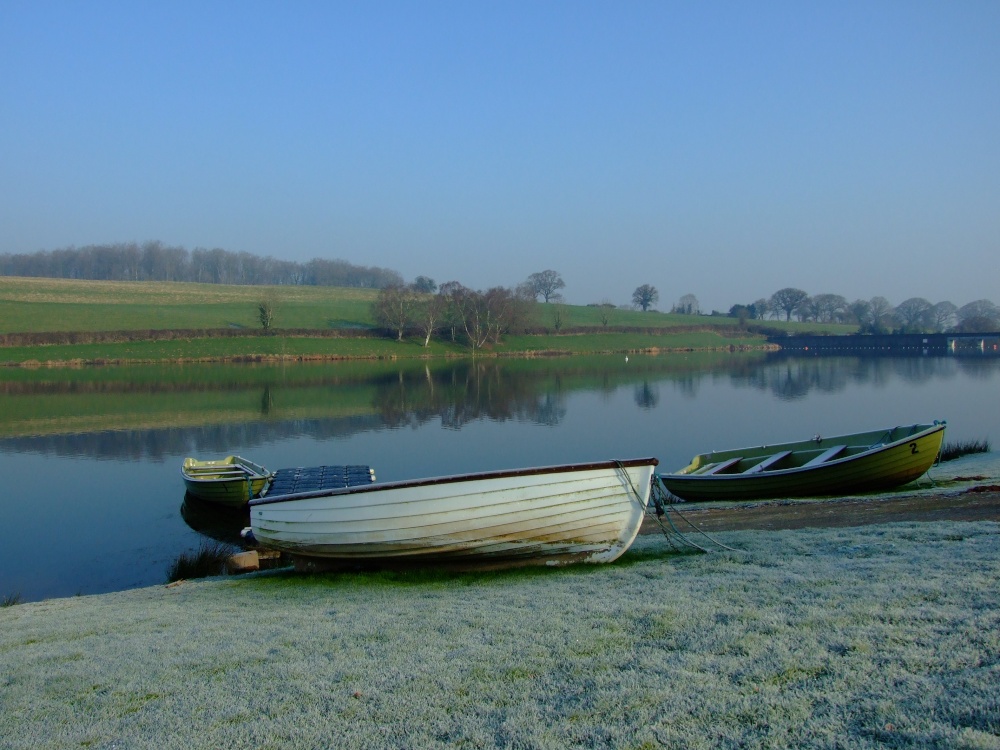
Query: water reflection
470,392
647,395
143,416
791,377
217,522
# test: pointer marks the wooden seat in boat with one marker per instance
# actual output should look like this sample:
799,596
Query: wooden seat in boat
768,462
827,455
721,466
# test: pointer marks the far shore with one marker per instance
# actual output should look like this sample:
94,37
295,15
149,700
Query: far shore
280,349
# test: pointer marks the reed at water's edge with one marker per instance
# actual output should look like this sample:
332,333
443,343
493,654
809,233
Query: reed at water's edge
951,451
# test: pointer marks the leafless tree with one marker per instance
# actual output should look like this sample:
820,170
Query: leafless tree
545,284
942,316
829,307
394,308
880,318
644,296
428,311
788,300
981,315
688,305
914,314
604,311
265,311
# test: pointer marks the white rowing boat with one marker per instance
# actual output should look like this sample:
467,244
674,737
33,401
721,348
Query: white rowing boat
588,512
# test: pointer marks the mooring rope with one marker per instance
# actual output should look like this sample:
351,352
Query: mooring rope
660,495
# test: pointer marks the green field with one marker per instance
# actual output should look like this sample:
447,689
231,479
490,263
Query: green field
33,305
29,305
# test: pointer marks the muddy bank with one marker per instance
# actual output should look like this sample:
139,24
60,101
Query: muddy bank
981,503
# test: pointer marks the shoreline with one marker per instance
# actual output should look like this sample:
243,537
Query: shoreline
80,362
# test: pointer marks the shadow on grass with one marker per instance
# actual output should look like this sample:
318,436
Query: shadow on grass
440,575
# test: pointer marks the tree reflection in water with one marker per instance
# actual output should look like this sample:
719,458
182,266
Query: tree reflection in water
153,414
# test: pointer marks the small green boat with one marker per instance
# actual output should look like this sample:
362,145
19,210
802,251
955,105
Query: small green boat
231,481
861,462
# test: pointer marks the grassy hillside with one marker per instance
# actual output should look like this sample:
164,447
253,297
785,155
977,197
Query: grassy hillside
82,309
30,305
44,305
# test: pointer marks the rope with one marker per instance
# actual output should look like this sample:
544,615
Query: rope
660,495
628,478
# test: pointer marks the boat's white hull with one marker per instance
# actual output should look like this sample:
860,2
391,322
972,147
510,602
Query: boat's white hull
574,513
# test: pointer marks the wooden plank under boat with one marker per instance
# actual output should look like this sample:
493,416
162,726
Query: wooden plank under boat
587,512
859,462
230,481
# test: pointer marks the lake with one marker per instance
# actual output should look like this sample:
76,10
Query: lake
93,499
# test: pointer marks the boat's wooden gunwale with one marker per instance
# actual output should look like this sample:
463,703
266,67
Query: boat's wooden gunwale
457,478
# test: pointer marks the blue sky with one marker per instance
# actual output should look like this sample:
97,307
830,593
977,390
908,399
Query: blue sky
723,149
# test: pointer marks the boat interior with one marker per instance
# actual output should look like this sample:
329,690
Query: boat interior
806,453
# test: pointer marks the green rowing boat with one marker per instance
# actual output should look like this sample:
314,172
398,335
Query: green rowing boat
229,481
861,462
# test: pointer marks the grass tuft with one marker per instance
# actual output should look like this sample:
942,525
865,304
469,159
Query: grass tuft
209,560
952,451
10,600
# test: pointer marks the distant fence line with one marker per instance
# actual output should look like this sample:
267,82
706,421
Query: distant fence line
174,334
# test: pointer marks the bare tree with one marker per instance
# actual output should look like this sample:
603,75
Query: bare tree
829,307
879,315
688,305
942,316
546,284
265,311
981,315
740,312
557,319
914,314
424,284
428,313
604,311
394,308
475,317
453,294
859,310
788,300
644,296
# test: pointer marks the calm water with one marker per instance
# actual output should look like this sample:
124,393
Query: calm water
94,502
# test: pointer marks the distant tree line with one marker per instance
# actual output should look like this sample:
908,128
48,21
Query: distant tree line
876,315
155,261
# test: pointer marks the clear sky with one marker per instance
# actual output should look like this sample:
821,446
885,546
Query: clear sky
723,149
